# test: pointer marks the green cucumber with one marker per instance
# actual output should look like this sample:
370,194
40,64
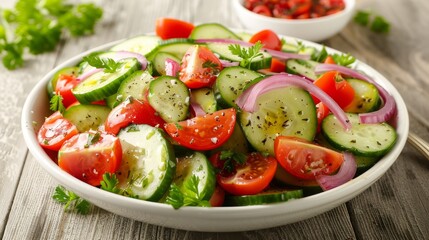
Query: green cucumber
212,30
140,44
290,48
175,46
134,86
288,111
270,195
244,36
366,97
230,84
159,61
102,84
197,165
370,140
53,81
148,163
205,98
222,49
302,67
309,187
86,117
170,98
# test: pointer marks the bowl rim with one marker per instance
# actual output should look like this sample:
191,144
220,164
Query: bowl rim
305,207
349,9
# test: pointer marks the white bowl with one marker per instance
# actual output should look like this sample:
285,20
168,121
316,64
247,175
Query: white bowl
221,219
314,29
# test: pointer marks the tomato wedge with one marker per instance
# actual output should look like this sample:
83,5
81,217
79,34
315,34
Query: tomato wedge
204,132
167,28
218,197
55,131
304,159
249,178
277,65
200,67
131,111
268,38
65,84
336,87
87,156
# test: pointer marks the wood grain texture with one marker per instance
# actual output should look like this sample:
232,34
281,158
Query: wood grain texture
395,207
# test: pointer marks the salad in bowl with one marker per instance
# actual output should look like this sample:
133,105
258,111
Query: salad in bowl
207,123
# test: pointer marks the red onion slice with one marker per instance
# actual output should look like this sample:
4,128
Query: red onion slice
274,53
346,172
247,100
226,63
171,67
383,114
89,73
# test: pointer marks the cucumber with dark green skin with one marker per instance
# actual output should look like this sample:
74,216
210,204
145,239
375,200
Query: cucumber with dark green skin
265,197
212,30
288,111
231,83
175,46
87,116
366,99
134,86
159,62
369,140
103,84
148,163
170,98
140,44
302,67
73,71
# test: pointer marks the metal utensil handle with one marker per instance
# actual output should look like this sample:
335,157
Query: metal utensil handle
421,145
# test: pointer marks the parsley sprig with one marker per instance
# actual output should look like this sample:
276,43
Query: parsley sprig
56,103
37,27
109,183
246,53
71,201
231,160
376,23
343,59
108,64
188,195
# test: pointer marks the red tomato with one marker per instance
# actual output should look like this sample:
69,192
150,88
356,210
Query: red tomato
218,197
200,67
322,112
268,38
277,65
329,60
336,87
131,111
65,84
300,8
55,131
250,178
173,28
263,10
305,160
87,157
205,132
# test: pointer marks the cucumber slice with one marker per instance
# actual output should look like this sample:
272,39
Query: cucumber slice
302,67
287,111
244,36
222,49
170,98
148,162
230,84
159,61
212,30
175,46
271,195
102,85
366,97
290,48
86,117
135,86
140,44
205,98
197,165
370,140
53,81
309,187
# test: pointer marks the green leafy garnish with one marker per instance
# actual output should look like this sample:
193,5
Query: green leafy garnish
109,183
188,195
362,18
246,53
231,159
92,138
344,59
108,64
320,56
71,201
56,103
37,26
375,22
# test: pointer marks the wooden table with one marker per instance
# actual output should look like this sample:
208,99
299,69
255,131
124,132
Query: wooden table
395,207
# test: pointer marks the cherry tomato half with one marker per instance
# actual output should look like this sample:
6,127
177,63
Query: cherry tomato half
277,65
218,197
131,111
336,87
268,38
305,160
249,178
167,28
200,67
87,156
55,131
204,132
65,84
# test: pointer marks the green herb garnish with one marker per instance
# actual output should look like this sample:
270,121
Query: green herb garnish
343,59
231,159
375,22
92,139
246,53
71,201
56,103
109,183
108,64
188,195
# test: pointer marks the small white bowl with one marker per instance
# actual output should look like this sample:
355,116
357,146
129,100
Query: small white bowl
313,29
